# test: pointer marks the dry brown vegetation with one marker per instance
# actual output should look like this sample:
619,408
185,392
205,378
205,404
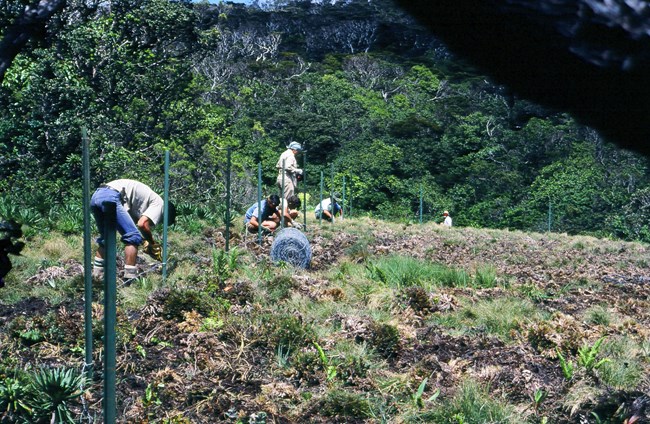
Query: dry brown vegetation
392,323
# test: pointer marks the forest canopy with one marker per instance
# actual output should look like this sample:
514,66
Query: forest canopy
368,93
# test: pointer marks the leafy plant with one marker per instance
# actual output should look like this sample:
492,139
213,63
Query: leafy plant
587,356
417,396
330,370
13,399
538,398
151,394
53,389
567,366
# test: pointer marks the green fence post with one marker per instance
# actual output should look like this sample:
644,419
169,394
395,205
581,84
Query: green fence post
88,278
304,184
550,215
282,194
110,311
165,219
343,201
228,166
332,195
420,203
320,217
259,203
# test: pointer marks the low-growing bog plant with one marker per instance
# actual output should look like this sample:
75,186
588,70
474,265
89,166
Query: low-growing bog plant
385,339
340,403
454,277
53,390
587,356
485,277
566,366
598,315
471,404
625,369
500,317
13,400
402,271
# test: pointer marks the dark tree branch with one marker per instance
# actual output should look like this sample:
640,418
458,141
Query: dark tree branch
29,25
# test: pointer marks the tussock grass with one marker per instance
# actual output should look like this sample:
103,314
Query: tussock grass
473,404
625,366
499,317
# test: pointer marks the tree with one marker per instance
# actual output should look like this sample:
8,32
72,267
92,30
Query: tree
29,23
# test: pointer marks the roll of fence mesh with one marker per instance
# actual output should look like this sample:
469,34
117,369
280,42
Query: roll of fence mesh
291,246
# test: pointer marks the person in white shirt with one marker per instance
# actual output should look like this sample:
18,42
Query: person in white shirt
327,210
447,221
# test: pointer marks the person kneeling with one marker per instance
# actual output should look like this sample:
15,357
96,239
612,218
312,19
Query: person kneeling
328,210
269,217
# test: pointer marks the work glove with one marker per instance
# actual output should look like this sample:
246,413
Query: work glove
296,225
153,249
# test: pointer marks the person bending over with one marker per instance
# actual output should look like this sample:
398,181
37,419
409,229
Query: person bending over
138,209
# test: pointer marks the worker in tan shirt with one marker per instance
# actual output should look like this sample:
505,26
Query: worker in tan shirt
288,162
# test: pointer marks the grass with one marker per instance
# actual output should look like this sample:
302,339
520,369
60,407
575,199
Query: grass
384,324
625,366
472,404
500,317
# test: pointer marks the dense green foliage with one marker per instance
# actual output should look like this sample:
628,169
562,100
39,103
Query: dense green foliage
365,90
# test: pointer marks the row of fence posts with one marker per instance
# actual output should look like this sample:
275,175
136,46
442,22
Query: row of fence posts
110,270
110,264
110,281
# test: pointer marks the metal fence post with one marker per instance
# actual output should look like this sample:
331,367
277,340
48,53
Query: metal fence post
282,194
88,278
110,311
165,219
343,201
228,166
420,203
332,195
259,203
320,216
304,184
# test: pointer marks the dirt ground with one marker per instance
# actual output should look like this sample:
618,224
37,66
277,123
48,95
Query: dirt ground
232,373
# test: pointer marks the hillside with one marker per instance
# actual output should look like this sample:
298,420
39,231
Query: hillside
393,323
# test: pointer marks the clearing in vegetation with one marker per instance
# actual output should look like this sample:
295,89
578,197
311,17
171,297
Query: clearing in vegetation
393,323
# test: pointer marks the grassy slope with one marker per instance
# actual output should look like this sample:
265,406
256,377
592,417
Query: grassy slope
393,323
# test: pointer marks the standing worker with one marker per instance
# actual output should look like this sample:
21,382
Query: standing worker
138,208
291,171
447,221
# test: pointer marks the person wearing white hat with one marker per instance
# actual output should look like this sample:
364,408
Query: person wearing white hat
288,162
447,221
